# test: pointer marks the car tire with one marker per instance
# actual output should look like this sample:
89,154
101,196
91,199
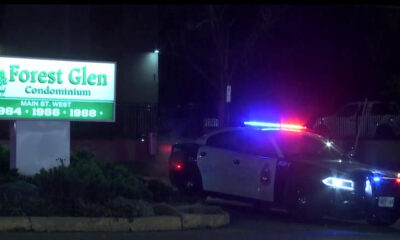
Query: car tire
192,187
301,204
381,219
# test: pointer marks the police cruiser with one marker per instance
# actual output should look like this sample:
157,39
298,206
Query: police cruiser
285,166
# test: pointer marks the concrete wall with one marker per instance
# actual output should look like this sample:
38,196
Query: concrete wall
140,74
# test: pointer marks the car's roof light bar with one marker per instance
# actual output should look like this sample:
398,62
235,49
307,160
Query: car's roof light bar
278,126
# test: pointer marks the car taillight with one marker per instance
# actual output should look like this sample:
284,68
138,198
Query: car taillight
177,166
398,180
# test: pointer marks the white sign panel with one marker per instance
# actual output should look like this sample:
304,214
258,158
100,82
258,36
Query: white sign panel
54,89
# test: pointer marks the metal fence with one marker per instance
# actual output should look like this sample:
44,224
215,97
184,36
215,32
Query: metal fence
340,127
135,121
132,121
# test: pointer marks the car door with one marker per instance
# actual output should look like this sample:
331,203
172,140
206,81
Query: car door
216,163
255,166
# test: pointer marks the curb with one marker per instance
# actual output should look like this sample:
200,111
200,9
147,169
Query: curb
78,224
141,224
197,216
190,221
15,224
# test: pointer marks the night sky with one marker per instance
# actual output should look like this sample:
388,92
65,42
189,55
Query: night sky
311,61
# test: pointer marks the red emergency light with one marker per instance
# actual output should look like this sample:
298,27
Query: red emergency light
277,126
398,180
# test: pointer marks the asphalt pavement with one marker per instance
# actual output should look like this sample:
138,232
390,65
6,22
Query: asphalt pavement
247,223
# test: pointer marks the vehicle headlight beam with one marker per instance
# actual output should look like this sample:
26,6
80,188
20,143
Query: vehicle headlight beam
339,183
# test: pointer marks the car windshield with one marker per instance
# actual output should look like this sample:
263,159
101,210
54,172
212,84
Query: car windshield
300,145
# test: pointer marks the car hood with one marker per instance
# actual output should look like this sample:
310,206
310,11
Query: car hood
351,166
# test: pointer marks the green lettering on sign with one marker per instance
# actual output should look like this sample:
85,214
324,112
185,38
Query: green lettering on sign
74,80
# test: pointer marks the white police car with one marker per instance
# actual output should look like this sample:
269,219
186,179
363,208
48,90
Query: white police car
286,166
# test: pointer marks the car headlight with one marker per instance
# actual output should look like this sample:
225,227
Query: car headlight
339,183
368,187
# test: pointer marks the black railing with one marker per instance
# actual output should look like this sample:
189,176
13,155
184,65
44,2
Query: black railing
135,121
342,127
132,121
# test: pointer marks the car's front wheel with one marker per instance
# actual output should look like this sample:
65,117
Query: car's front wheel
381,220
301,203
191,186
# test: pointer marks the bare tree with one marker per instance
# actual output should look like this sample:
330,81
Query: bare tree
216,41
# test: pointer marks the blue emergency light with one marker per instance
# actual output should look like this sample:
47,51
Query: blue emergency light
281,126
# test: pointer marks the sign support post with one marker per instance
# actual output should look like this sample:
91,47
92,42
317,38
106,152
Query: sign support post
37,144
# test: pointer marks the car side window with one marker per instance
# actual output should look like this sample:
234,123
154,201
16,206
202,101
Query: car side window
300,145
256,143
348,110
226,140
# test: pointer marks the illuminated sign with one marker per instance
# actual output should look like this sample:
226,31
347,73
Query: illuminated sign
56,90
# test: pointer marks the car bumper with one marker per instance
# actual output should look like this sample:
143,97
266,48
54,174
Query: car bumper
352,205
176,178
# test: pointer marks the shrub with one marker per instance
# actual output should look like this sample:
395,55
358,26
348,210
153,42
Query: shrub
84,188
90,180
67,183
21,198
160,191
4,159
